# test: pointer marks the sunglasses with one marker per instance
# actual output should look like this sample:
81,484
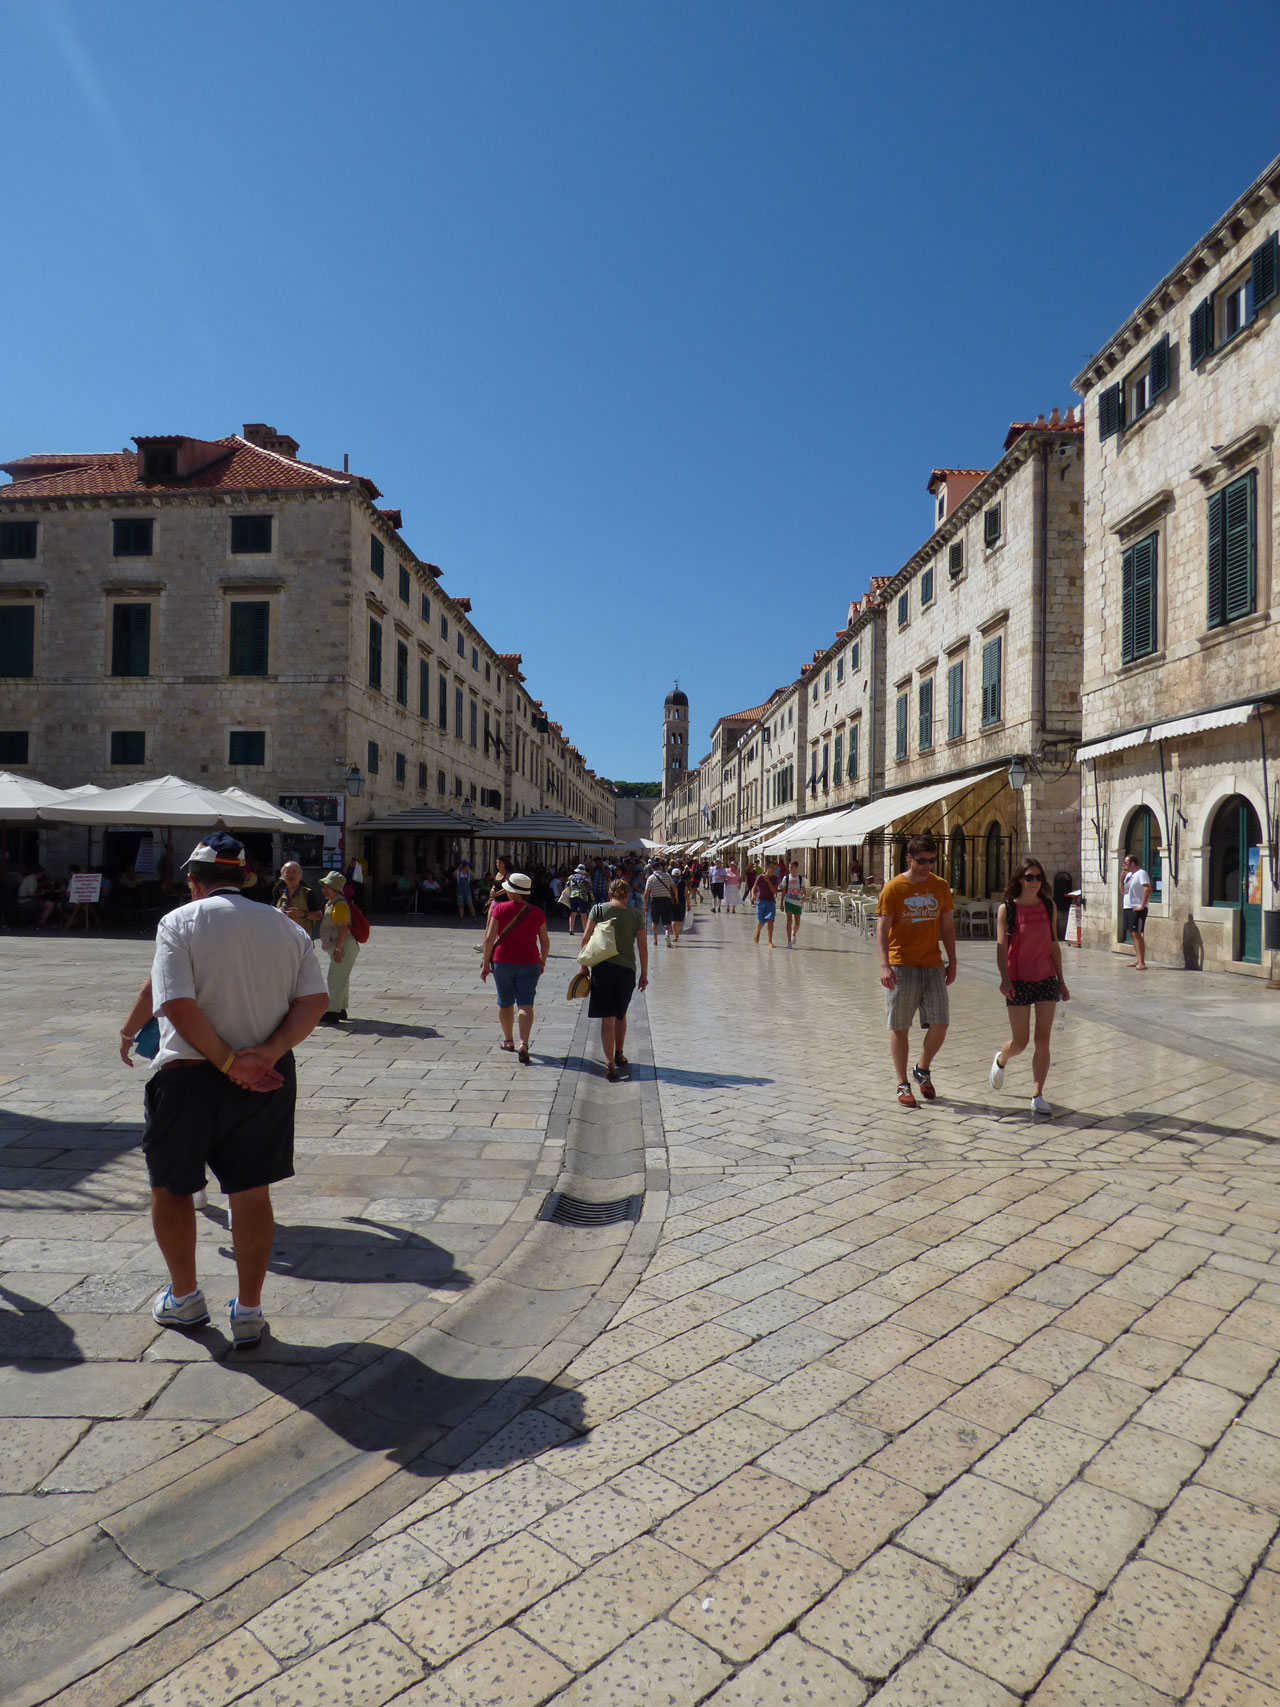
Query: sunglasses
923,859
1033,877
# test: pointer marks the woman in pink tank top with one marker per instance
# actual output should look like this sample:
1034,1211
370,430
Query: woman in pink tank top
1029,956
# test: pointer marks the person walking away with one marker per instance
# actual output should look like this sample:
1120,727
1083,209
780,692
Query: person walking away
660,900
462,889
576,895
296,899
637,891
338,942
614,981
516,946
793,902
679,906
732,888
1029,956
693,883
600,879
1137,895
235,987
915,911
716,879
765,897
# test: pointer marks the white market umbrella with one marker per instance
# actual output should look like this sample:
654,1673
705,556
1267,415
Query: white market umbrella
21,798
169,802
279,818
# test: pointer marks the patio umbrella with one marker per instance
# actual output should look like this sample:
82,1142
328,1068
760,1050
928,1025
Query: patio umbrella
549,826
282,820
167,801
21,798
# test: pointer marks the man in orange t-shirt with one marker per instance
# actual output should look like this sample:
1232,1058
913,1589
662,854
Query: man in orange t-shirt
915,921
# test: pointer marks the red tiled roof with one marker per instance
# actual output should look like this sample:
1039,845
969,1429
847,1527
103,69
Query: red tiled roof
511,662
1017,428
241,467
463,604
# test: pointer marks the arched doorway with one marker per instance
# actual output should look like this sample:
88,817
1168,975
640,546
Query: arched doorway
901,852
1235,872
1142,842
994,873
958,865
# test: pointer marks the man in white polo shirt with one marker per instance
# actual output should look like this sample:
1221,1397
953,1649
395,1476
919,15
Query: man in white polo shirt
1137,896
235,986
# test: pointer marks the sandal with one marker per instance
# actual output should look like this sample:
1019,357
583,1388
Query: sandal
611,1072
523,1057
620,1060
506,1045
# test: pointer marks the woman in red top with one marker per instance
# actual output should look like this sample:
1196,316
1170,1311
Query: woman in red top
515,950
1029,956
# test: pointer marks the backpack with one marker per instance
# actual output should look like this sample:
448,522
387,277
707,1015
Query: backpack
359,924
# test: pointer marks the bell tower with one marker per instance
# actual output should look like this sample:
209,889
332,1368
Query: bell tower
675,739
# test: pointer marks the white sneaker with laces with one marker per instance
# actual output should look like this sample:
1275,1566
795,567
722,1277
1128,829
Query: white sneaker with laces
996,1075
1040,1106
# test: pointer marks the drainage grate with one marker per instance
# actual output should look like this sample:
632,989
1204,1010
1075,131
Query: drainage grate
570,1211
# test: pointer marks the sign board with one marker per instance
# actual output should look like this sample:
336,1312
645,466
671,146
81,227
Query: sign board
84,888
146,861
321,808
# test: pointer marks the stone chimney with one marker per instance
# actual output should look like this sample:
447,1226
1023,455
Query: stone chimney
267,438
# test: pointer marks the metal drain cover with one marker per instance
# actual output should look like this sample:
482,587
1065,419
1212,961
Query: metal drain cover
570,1211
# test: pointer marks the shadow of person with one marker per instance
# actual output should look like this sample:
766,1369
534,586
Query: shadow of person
1192,945
359,1249
386,1028
32,1337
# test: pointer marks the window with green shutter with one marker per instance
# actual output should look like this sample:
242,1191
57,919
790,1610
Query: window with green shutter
131,640
1233,566
17,539
955,700
474,736
402,673
852,772
991,526
904,608
375,654
1201,331
372,759
1109,412
926,587
400,767
457,713
426,608
839,759
405,586
442,707
900,745
992,655
251,534
131,537
925,707
424,688
250,633
377,557
17,640
247,747
128,747
1138,600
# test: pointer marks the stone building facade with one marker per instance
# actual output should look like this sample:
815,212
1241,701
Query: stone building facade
982,643
1181,663
224,611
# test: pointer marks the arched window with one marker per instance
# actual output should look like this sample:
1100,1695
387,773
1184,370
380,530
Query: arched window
958,867
1235,872
995,879
1142,840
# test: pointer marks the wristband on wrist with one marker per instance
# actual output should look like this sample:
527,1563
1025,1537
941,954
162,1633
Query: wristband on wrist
228,1063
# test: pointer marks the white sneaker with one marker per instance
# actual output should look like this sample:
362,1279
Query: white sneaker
1040,1106
996,1075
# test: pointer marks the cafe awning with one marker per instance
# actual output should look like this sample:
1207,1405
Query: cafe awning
849,828
420,820
547,826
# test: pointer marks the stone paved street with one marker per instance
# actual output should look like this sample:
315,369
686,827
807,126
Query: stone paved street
955,1406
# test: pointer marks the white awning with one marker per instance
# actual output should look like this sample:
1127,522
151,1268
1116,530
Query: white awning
1116,744
1195,725
850,827
1206,720
804,833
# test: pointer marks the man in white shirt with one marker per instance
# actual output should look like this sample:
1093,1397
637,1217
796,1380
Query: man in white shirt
716,880
234,986
1137,893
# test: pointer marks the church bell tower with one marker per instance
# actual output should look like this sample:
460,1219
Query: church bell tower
675,739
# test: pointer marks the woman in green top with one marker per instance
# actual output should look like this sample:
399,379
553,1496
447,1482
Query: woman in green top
614,980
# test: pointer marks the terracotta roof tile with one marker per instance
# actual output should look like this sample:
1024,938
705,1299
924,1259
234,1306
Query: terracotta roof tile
242,467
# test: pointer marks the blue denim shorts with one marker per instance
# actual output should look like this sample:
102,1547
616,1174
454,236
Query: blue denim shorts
766,910
515,983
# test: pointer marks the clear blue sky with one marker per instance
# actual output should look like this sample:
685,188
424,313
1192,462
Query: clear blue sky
651,315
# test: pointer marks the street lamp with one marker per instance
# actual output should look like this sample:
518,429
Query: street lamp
1017,773
354,780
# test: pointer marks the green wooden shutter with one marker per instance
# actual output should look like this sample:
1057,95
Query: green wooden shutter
853,754
1138,620
130,640
1160,368
17,641
1126,607
1202,331
1240,557
1264,282
991,655
249,638
839,759
424,690
1216,518
955,701
926,715
1109,413
901,748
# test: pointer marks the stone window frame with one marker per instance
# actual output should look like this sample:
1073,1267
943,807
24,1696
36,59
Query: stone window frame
259,513
126,764
242,729
242,592
1253,449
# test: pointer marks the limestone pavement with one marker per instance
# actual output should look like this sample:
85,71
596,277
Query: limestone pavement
954,1406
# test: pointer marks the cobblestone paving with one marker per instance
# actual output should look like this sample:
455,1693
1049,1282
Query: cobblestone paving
955,1406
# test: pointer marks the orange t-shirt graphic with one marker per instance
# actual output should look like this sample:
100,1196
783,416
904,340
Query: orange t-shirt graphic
914,912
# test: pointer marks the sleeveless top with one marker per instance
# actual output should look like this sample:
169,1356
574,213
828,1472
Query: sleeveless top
1031,943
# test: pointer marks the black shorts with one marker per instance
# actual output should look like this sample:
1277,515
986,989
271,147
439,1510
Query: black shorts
717,889
612,986
661,910
1027,994
196,1118
1135,919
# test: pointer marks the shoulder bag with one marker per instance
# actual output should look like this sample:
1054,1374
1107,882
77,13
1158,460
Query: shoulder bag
602,945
